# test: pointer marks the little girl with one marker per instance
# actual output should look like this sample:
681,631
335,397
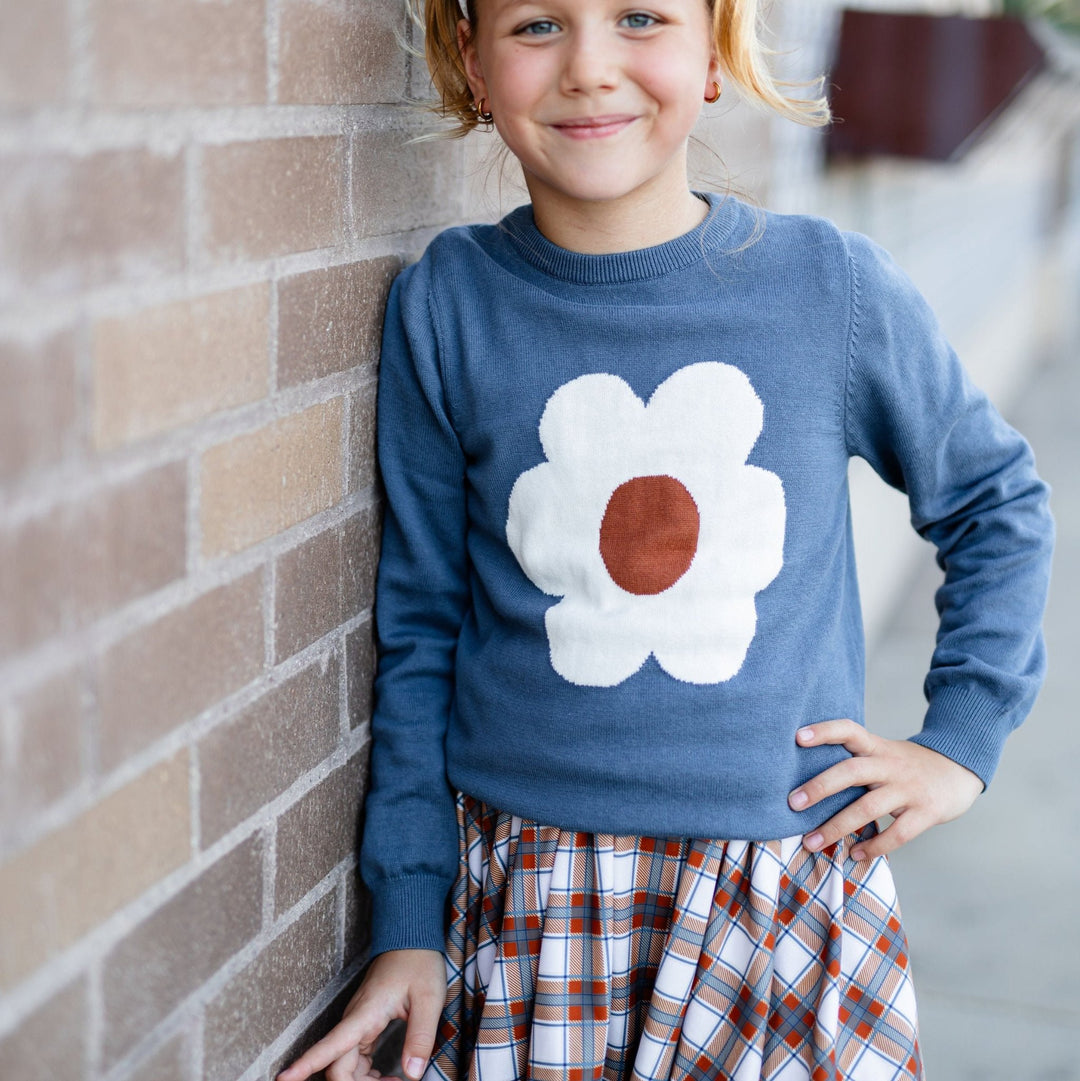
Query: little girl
622,802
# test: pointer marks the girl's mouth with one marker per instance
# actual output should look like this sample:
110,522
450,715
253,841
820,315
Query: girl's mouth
593,127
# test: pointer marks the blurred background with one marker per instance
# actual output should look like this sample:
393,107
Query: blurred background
202,204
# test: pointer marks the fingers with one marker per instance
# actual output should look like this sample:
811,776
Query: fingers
853,818
425,1010
918,786
398,984
858,772
905,827
347,1040
351,1066
846,732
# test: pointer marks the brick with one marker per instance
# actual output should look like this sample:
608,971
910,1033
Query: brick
168,365
61,570
308,602
170,1062
273,196
140,528
51,1042
360,671
341,52
71,223
34,61
357,917
362,431
47,760
255,756
318,832
263,999
179,52
54,892
166,673
37,408
257,485
331,320
180,946
361,558
315,1030
399,185
33,600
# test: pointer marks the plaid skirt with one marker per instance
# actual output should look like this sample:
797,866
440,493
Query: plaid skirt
574,956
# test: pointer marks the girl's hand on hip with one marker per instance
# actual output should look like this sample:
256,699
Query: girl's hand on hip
409,984
919,787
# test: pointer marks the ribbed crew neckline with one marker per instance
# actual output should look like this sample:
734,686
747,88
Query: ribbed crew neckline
626,266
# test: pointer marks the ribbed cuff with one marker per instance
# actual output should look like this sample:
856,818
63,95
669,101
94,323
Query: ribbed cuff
968,727
409,914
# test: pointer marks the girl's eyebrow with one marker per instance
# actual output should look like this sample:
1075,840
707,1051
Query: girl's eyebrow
509,4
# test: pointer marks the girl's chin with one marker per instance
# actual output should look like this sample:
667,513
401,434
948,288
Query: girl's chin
593,191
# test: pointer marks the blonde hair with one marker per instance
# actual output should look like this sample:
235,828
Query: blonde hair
737,38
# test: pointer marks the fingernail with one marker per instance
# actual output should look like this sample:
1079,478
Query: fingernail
798,799
415,1067
814,841
804,735
858,854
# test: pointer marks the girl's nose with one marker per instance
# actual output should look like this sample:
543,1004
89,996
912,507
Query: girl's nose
590,63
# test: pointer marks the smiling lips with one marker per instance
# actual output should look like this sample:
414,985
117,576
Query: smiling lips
593,127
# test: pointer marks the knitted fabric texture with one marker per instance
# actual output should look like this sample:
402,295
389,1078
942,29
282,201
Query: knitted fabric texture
617,569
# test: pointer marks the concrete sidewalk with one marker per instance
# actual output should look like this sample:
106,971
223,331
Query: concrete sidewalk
991,902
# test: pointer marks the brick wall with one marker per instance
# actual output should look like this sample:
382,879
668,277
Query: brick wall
201,205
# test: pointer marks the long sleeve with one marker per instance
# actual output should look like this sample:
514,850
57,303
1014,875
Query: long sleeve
409,851
913,414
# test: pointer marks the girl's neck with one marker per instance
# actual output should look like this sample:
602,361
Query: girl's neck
642,219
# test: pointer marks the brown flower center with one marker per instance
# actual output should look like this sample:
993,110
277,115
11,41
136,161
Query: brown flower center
649,534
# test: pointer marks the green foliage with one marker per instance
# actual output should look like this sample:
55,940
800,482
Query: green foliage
1063,13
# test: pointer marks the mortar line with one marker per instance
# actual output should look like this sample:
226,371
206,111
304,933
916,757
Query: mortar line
273,44
81,66
95,1019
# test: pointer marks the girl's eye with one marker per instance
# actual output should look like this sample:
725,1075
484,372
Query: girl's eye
539,28
639,20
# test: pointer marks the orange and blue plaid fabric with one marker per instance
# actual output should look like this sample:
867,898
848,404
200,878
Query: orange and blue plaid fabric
598,957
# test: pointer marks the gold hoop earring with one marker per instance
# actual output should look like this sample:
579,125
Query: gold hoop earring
716,94
482,113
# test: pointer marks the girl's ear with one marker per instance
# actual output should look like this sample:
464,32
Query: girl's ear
469,57
715,72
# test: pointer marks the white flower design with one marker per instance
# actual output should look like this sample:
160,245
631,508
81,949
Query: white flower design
648,523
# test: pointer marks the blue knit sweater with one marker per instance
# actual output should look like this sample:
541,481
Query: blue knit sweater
617,569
